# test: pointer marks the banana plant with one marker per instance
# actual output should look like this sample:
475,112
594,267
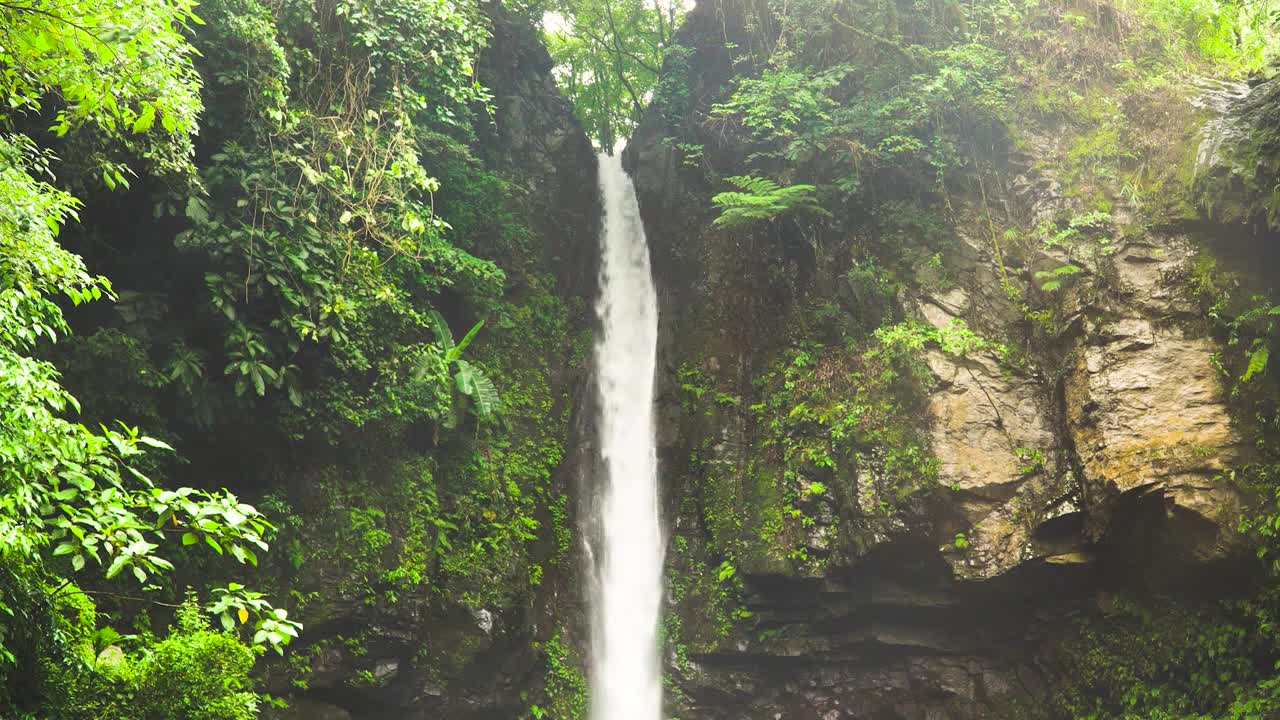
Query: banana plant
469,380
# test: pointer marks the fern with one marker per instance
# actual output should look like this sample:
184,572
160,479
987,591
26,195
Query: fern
1051,280
763,199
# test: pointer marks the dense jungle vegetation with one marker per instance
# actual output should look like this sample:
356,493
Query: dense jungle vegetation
285,342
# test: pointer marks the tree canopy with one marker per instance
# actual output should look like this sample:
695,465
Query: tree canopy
608,58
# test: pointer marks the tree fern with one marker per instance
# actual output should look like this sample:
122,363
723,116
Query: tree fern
763,199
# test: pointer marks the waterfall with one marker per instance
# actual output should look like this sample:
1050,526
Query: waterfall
626,596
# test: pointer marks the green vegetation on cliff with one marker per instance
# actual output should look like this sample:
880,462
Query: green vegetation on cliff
903,214
328,267
326,293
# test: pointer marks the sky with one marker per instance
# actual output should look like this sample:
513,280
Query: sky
555,22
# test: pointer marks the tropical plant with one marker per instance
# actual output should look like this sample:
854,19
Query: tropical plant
469,380
72,497
762,199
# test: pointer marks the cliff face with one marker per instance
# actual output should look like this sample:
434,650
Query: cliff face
378,648
856,532
1077,456
969,417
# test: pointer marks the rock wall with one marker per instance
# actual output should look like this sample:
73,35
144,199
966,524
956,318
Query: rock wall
1087,465
425,654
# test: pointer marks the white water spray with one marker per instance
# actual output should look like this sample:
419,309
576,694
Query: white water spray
627,594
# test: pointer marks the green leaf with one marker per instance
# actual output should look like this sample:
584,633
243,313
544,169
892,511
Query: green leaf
485,396
466,340
190,538
444,337
152,442
1257,361
197,212
464,378
763,200
145,119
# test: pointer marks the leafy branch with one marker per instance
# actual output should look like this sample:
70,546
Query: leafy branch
761,199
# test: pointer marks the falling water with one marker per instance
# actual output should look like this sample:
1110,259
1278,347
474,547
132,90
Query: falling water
626,682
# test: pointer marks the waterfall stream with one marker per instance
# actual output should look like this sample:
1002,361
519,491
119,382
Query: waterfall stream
627,595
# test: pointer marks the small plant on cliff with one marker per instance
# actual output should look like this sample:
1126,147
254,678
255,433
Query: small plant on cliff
761,199
566,686
469,380
1051,280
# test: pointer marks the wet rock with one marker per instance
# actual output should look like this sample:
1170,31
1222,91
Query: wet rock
1145,407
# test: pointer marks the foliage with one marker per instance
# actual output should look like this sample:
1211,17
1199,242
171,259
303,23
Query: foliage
566,689
902,340
318,227
469,381
837,427
1249,326
273,626
191,674
1241,38
334,220
69,491
1162,661
763,199
608,56
72,496
859,114
1051,280
114,71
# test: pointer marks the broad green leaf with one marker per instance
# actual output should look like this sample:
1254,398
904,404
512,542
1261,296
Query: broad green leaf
466,340
1257,361
152,442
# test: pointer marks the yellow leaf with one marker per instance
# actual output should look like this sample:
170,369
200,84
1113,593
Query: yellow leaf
243,615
